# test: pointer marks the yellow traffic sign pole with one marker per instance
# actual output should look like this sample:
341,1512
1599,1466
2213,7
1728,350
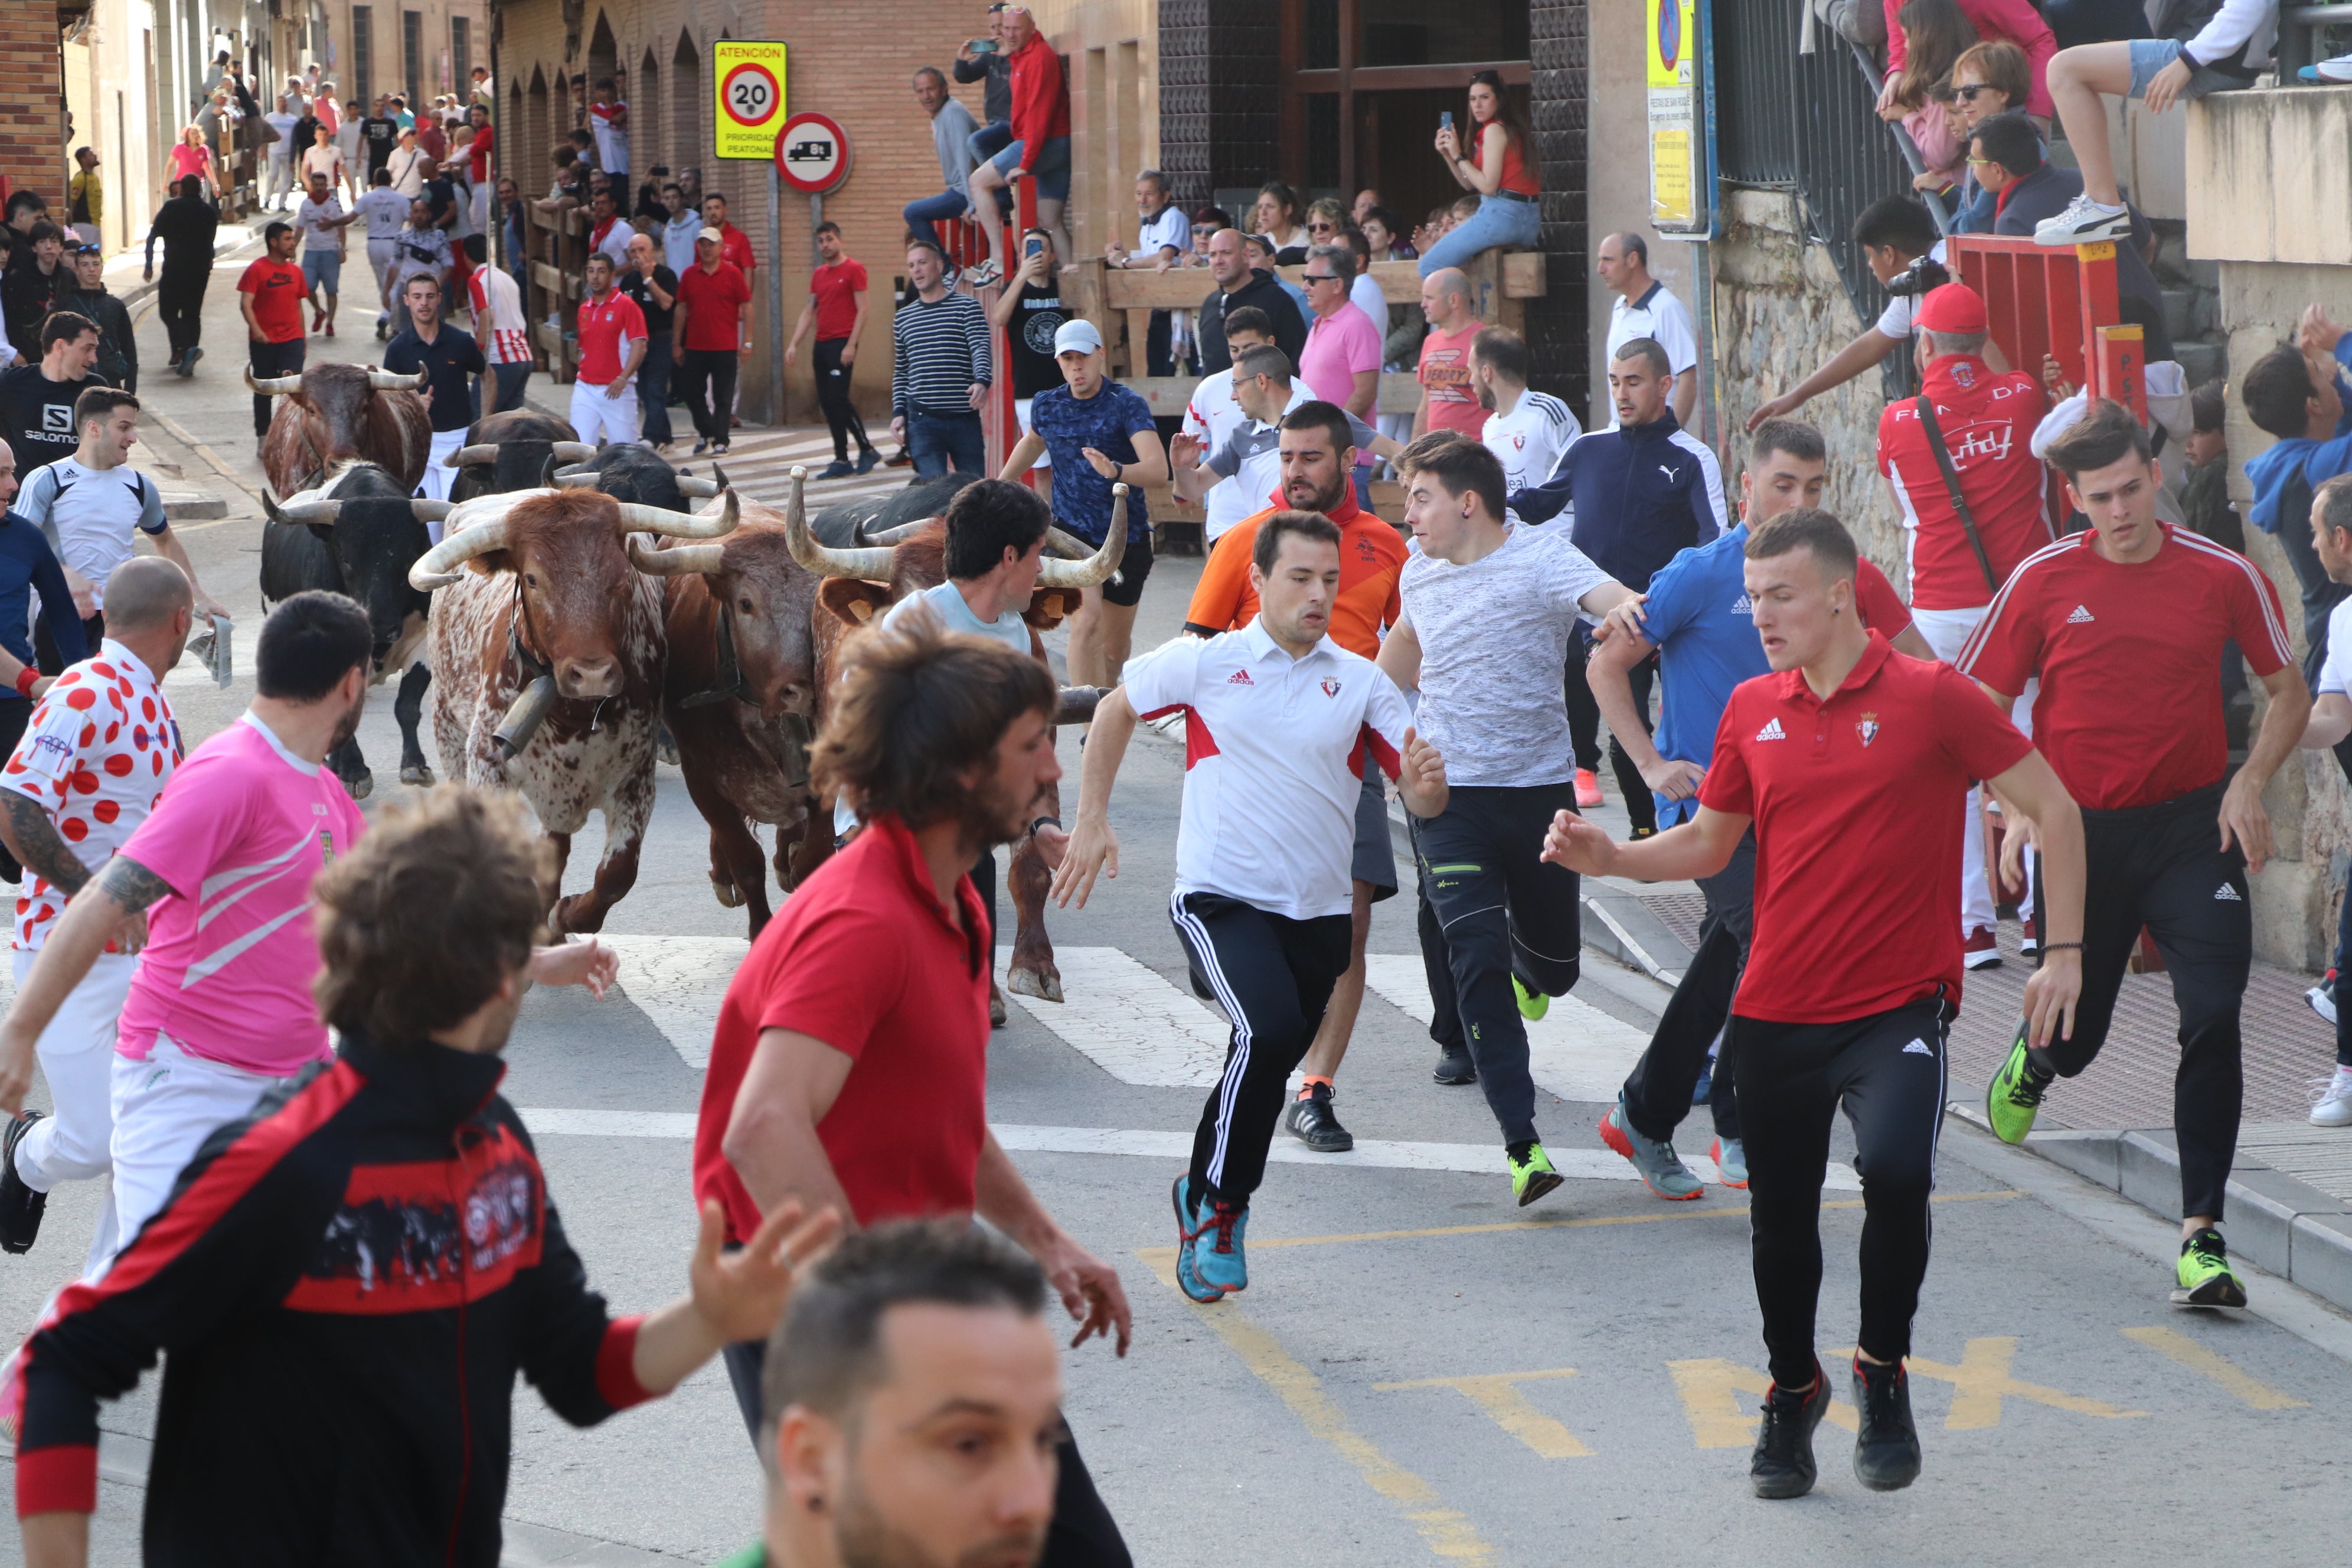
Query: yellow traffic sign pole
751,80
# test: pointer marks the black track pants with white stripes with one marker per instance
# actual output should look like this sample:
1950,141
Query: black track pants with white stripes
1272,975
1887,1071
2163,866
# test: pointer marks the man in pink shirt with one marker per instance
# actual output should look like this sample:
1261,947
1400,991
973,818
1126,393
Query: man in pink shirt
220,1010
1341,361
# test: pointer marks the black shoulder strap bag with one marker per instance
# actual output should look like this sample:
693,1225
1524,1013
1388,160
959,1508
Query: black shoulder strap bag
1926,407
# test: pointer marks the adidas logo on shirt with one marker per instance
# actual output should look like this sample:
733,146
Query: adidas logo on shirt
1771,730
2228,895
1743,605
1240,677
2081,617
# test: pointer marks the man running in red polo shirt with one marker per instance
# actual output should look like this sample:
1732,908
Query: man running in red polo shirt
1318,448
1848,761
850,1066
2124,625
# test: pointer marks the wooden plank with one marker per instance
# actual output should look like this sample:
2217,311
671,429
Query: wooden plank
1179,288
554,283
1139,336
1523,275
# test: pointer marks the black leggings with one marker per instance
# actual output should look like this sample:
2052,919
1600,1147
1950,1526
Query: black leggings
1658,1091
832,396
1273,976
1888,1071
1489,910
2162,866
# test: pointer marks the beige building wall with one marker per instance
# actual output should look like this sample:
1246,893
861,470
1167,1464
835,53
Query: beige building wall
109,80
441,67
1112,49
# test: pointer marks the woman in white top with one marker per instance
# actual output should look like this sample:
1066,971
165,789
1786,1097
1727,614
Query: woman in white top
1277,215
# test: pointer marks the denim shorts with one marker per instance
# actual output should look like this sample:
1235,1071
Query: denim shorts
324,269
1052,170
2149,56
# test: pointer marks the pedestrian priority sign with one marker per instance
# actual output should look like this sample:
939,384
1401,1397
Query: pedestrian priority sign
750,79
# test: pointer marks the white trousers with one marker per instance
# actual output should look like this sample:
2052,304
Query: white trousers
165,1109
1947,632
599,418
77,1052
281,178
438,474
382,255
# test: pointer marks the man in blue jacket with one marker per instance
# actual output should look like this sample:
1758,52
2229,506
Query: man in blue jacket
2299,393
1644,488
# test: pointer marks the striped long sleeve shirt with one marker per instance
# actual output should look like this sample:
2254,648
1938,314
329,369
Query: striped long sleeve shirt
940,349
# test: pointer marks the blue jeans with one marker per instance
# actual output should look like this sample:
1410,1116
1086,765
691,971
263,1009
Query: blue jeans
989,140
921,215
936,441
1498,221
653,390
1052,170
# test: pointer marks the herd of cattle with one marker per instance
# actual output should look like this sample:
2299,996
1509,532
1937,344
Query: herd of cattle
569,613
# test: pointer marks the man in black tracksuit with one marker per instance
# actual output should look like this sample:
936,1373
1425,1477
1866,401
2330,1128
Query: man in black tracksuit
349,1280
186,224
1643,489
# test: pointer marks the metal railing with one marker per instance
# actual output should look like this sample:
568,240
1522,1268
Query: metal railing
2300,27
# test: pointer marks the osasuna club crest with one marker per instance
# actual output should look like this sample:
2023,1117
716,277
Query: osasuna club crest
1330,687
1867,729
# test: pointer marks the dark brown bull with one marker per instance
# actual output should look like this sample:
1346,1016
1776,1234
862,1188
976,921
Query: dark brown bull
862,584
331,413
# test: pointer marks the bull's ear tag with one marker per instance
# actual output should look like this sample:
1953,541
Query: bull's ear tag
1054,603
862,610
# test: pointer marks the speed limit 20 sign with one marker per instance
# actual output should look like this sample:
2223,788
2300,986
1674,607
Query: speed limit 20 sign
751,80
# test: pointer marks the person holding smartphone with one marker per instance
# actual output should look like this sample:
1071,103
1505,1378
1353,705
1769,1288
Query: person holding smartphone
1029,316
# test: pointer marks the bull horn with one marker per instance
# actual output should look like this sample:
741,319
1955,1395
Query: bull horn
1097,568
700,489
890,538
432,511
573,479
685,560
573,451
870,565
1068,546
271,385
299,511
464,456
718,523
438,567
392,381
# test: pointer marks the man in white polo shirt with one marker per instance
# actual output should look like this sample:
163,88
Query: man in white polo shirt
1279,720
1644,309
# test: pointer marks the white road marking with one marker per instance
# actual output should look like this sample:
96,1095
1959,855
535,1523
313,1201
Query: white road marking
1130,1021
678,983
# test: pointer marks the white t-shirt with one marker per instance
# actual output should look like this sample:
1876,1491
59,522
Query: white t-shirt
1365,294
327,161
89,514
315,235
1270,782
284,124
1216,420
386,211
612,142
1529,439
1658,315
1895,320
1494,638
1172,227
2336,673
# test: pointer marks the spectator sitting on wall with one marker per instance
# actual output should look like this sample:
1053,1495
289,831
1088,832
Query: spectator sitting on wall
1989,80
1240,281
1262,258
1935,33
2016,20
952,133
986,60
1040,148
1496,166
2299,393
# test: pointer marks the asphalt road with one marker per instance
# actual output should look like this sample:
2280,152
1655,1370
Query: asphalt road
1419,1370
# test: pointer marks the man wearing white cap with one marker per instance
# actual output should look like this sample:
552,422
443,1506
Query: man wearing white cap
1100,434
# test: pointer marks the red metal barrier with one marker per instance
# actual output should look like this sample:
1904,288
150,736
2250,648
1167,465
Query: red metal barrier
2041,301
1003,423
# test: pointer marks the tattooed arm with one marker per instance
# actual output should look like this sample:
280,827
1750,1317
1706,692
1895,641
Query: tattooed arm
33,840
119,894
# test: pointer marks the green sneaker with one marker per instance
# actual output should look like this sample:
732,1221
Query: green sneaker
2015,1094
2206,1278
1532,1175
1533,1005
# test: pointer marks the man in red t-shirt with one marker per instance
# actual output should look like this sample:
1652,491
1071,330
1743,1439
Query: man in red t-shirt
612,347
1848,761
1986,420
1449,399
710,334
2123,624
271,294
849,1069
836,309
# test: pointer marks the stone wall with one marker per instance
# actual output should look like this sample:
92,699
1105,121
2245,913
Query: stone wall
1780,312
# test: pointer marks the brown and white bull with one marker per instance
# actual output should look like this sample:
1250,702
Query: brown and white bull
548,653
330,413
861,584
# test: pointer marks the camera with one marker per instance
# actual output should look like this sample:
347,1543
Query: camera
1922,277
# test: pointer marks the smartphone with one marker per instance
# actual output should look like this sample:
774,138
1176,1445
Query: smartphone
1034,245
1445,121
981,46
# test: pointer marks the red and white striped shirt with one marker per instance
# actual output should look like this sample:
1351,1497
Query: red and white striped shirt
498,316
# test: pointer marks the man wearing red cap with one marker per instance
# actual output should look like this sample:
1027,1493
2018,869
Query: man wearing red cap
1959,457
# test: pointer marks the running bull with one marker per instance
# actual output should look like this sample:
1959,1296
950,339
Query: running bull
862,583
331,413
549,644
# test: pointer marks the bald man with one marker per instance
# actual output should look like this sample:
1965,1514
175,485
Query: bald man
1449,394
1644,309
1238,284
63,834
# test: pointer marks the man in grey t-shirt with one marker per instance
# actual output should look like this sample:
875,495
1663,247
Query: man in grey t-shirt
951,131
1488,610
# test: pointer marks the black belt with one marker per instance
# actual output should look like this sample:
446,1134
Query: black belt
1515,197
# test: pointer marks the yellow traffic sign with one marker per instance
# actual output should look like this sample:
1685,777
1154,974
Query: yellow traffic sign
751,83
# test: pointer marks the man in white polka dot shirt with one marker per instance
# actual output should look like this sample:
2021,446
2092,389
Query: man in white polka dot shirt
96,753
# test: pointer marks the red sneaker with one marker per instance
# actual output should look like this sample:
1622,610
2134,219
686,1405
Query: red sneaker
1588,789
1982,950
2028,942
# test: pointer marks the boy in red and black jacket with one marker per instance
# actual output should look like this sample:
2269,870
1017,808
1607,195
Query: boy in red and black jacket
349,1280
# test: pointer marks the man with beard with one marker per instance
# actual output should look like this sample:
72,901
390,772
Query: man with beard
912,1406
849,1069
221,1010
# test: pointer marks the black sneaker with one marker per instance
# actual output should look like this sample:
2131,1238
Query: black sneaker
20,1205
1455,1067
838,468
1886,1446
868,460
1310,1120
1782,1464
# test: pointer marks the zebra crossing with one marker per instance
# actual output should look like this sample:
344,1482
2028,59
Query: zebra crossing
760,463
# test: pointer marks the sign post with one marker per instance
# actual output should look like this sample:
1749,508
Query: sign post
750,79
1682,197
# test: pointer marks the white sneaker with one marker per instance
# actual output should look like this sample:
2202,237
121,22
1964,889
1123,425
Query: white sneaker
2338,70
981,276
2333,1106
2322,997
2084,222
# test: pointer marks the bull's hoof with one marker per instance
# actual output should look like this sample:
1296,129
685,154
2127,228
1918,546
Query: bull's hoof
359,786
418,774
730,896
1046,985
996,1013
577,913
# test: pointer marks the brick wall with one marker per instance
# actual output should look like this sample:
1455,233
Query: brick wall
1557,324
32,107
851,60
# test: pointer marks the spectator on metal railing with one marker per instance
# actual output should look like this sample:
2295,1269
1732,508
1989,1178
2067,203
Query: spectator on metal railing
1040,148
941,368
1498,164
1989,80
988,61
952,133
1240,283
1645,308
2016,20
2210,45
1936,33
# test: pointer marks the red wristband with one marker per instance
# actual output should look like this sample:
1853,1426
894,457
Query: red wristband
25,679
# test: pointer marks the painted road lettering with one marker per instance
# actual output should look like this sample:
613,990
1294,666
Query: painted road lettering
1497,1394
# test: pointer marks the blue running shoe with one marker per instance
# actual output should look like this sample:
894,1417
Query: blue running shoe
1187,1234
1217,1260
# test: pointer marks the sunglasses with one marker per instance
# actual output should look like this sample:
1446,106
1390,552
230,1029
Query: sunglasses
1969,94
1320,227
1322,276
